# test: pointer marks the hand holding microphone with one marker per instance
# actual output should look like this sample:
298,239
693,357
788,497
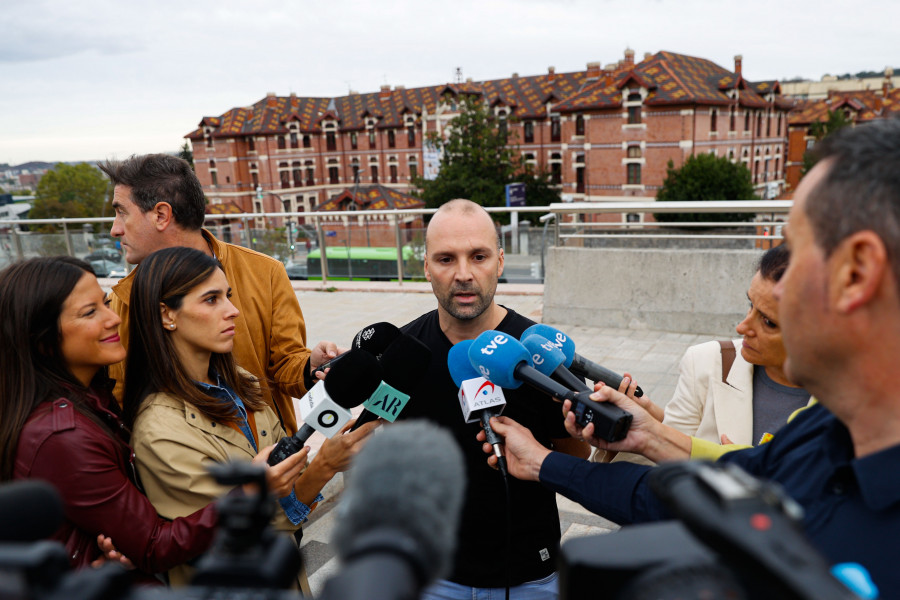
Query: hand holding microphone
325,407
374,339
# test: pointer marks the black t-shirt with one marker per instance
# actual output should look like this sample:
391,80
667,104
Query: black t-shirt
534,540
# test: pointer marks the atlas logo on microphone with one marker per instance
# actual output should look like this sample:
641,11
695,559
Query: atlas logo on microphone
483,389
478,394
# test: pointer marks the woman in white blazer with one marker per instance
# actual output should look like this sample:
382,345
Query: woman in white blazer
709,408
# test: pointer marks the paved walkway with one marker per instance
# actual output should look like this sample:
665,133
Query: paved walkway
652,357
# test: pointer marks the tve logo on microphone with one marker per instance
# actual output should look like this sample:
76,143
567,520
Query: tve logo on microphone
478,394
498,340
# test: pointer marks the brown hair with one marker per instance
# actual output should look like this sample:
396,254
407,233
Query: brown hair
152,364
157,178
32,368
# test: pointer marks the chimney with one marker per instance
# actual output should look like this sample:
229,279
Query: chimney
271,99
385,93
648,55
468,80
551,73
629,58
593,70
738,59
515,75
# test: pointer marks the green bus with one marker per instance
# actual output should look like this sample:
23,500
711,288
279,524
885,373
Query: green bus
362,263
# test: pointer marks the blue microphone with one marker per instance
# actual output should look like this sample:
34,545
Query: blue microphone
575,362
479,398
504,360
550,360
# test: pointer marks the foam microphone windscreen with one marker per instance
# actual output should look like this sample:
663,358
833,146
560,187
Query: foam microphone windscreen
405,362
31,510
545,355
496,355
408,479
375,338
459,364
353,378
561,340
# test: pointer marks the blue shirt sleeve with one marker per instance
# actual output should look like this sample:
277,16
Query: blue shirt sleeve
296,511
616,491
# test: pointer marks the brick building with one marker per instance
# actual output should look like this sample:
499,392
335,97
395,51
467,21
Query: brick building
602,132
858,107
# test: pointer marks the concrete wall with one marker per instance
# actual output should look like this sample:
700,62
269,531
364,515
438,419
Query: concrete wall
688,291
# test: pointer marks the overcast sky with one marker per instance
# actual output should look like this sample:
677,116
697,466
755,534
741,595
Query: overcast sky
98,79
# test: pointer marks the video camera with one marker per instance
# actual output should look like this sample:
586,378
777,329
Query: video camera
247,557
738,537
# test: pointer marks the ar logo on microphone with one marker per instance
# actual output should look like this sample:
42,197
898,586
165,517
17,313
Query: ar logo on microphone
485,372
483,389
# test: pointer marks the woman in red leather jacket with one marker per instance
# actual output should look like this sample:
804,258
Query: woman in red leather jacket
60,423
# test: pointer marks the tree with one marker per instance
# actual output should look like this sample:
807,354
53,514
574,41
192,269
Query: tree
71,191
835,120
187,154
706,177
479,158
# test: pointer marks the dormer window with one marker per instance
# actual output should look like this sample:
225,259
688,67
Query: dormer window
633,106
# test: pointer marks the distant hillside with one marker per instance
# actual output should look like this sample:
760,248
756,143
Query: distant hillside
37,165
32,166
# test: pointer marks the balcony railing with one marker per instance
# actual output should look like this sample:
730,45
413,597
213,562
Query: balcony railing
296,238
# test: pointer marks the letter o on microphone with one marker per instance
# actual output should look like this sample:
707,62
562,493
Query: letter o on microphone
328,418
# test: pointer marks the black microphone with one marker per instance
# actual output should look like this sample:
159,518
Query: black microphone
32,510
398,515
325,407
374,339
575,362
403,364
505,361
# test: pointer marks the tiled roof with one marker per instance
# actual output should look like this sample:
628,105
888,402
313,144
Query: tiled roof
864,105
670,78
226,208
371,197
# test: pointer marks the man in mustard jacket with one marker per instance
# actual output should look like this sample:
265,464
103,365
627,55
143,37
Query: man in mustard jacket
159,204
